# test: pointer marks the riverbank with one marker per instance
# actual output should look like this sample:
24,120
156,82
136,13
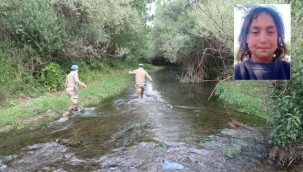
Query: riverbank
49,106
252,97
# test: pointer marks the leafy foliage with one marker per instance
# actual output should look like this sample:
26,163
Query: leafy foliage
190,33
13,76
52,76
141,6
77,28
41,33
286,120
35,23
101,28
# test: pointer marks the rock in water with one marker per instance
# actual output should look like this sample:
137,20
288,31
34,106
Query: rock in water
171,165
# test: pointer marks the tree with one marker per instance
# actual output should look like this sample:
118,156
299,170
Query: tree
191,34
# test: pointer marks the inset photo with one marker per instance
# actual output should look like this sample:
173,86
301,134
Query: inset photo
262,42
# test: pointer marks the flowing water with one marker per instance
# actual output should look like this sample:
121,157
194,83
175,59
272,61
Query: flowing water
174,127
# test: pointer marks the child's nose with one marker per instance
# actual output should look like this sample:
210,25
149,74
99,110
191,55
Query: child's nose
263,37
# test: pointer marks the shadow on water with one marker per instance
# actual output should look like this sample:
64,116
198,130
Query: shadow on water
173,122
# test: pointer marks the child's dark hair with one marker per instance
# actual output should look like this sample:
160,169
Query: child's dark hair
252,14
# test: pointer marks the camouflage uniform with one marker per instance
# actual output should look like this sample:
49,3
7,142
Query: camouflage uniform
140,74
71,87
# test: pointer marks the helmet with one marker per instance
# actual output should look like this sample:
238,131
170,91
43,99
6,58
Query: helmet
74,67
141,65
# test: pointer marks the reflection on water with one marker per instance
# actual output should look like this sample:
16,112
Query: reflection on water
174,113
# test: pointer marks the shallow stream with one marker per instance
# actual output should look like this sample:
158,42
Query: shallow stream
174,127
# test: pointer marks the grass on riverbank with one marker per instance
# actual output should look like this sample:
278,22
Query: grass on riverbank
252,97
53,105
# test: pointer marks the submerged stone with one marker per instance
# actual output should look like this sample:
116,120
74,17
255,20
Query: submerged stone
171,165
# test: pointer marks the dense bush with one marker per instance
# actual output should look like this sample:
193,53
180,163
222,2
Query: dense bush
52,76
76,28
6,69
14,77
34,23
286,119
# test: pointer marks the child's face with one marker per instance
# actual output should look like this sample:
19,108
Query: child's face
262,38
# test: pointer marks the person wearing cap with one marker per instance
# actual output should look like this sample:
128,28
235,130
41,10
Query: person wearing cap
140,75
71,87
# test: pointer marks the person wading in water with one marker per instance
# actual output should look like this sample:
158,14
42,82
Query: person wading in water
71,87
140,75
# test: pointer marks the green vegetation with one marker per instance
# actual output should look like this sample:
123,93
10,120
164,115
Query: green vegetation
250,97
41,39
186,33
52,76
286,119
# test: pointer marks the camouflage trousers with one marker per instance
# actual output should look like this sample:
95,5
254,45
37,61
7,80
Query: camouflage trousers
73,108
